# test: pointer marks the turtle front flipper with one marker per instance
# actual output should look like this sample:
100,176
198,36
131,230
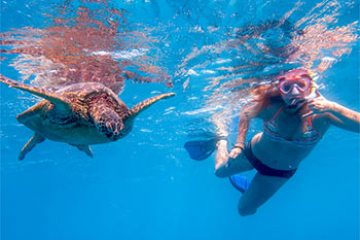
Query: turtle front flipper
107,121
52,97
147,103
37,138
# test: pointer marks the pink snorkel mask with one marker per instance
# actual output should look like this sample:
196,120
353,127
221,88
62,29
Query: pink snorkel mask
298,79
302,83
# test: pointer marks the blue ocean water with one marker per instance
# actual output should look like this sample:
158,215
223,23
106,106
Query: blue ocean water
145,186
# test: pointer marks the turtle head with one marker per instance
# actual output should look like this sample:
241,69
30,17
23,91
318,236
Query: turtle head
107,121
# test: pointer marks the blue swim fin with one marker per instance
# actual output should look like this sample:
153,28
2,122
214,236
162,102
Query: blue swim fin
201,149
240,182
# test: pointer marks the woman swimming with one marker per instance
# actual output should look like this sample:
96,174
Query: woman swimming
295,117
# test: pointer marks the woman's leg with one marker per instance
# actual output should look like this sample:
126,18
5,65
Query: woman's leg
225,166
261,189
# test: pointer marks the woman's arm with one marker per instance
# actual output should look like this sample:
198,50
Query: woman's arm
344,118
251,110
338,115
243,127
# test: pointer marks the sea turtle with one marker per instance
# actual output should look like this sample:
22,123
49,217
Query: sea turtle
80,114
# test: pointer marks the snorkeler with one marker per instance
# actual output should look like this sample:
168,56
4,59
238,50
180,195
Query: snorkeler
295,117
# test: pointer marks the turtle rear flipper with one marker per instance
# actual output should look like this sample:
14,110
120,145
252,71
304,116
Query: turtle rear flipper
52,97
37,138
84,148
147,103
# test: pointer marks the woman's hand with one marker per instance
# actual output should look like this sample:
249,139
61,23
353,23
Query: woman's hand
318,105
235,152
339,116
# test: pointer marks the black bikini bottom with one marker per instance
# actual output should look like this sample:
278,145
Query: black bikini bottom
262,168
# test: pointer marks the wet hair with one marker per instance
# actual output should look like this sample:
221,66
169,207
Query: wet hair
265,94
